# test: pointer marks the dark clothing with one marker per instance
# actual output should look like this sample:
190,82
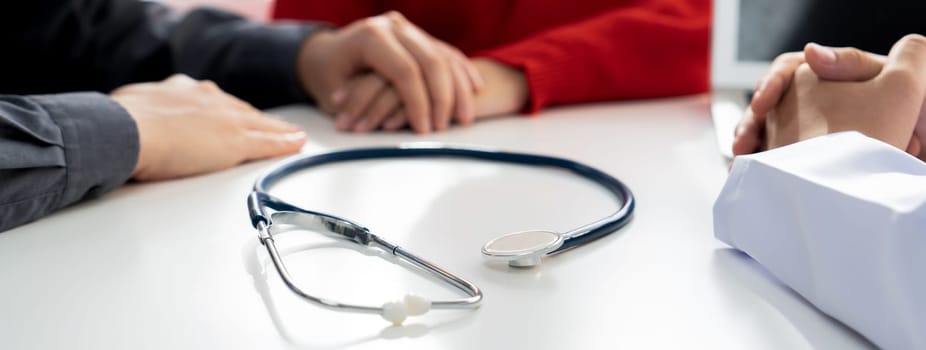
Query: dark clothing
62,139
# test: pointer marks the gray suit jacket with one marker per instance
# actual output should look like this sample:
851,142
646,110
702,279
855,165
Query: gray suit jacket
62,139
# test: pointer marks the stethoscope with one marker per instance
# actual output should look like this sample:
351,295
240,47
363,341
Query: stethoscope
270,215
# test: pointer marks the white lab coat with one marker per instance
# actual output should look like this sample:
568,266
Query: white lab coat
841,219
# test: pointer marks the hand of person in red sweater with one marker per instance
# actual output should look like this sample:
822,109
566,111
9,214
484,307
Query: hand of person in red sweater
427,74
504,91
368,102
569,51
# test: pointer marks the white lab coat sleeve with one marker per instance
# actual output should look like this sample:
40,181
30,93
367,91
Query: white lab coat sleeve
841,219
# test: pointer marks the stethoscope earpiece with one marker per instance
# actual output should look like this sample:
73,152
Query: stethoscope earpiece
412,305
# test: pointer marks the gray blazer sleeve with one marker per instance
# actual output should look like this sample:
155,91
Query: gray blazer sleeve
58,149
59,145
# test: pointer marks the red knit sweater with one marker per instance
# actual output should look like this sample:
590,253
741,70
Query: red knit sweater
570,51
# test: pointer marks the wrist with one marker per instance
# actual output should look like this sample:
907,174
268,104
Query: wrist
505,90
310,62
143,158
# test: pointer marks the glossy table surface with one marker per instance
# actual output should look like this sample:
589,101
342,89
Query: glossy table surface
176,265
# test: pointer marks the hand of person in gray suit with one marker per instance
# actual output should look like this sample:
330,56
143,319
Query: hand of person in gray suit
189,127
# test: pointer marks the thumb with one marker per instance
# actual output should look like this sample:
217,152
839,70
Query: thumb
902,85
905,67
842,63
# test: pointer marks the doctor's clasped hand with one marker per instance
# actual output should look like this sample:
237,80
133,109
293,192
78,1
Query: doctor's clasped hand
826,90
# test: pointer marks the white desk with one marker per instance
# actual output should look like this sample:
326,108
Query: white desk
176,265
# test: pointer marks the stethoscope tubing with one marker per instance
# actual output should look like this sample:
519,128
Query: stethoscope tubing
259,202
573,238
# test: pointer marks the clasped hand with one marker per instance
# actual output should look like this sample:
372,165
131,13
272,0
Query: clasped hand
824,90
385,73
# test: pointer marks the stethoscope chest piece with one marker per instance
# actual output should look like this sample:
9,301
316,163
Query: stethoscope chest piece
524,248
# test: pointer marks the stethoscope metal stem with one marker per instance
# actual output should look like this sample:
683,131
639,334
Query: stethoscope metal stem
470,302
458,282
